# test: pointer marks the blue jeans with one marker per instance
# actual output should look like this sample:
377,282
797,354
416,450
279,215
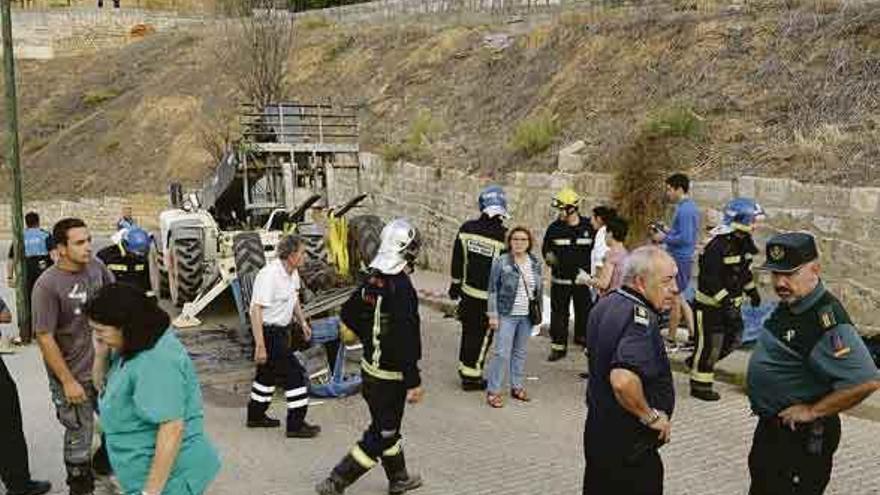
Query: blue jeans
511,343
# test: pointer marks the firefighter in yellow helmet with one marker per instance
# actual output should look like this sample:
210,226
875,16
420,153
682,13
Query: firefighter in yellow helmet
567,246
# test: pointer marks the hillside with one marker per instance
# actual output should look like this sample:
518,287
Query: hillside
761,89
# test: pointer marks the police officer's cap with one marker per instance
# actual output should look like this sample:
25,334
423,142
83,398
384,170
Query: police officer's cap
789,251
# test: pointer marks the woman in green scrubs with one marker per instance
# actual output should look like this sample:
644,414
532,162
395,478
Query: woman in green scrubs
150,404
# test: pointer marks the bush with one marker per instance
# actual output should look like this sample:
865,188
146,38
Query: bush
675,121
314,22
421,130
534,135
93,98
639,173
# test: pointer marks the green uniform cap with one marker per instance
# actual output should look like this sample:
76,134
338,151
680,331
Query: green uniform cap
788,252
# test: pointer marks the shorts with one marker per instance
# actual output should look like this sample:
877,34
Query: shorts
683,279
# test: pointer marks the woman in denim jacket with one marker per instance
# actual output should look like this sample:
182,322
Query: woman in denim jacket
515,278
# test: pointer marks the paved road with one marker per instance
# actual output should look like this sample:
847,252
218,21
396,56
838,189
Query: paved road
458,443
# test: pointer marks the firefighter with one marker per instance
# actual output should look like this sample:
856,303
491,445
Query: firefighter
384,313
725,279
127,259
568,244
477,243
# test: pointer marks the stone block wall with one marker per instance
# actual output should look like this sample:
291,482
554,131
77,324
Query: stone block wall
99,214
845,221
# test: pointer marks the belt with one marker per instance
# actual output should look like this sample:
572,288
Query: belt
776,422
275,328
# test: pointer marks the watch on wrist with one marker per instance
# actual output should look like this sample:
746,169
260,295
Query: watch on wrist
652,417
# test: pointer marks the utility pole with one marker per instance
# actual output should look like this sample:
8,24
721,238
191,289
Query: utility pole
12,159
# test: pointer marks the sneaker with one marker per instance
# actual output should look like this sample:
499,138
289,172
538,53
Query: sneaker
264,422
33,487
305,431
706,395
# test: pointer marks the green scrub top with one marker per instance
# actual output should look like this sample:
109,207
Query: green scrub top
156,386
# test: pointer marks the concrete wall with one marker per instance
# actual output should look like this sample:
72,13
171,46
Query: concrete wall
844,220
44,34
99,214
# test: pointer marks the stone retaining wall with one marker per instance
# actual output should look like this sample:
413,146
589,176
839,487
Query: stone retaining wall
844,220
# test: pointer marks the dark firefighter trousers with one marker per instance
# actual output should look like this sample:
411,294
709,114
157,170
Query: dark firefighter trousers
475,338
561,296
718,332
386,400
281,367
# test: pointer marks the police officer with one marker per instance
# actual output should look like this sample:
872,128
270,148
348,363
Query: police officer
477,243
567,246
127,259
630,395
384,313
38,246
725,279
808,366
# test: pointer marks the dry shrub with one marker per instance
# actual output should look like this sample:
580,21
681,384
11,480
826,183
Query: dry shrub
639,173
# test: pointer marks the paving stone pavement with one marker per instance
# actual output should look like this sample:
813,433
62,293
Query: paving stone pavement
459,444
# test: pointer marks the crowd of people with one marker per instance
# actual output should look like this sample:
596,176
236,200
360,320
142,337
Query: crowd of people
111,352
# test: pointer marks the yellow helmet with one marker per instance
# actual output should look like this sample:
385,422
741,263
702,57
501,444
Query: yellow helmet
566,197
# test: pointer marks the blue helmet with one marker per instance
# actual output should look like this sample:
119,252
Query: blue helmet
136,240
493,201
741,213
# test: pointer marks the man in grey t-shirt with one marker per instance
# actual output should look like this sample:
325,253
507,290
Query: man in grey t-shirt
65,339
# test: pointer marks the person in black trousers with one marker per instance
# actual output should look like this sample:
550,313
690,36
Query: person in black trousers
14,469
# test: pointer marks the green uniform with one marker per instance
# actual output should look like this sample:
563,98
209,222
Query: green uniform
156,386
806,351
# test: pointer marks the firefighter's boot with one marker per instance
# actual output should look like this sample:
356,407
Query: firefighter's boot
399,480
344,474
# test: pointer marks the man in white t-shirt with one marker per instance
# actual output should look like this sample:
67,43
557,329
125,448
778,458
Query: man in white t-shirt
274,304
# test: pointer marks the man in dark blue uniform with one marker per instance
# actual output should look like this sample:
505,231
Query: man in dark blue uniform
127,259
630,396
38,247
808,366
478,242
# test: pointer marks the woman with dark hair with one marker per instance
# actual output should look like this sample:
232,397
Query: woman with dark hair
610,276
514,280
150,405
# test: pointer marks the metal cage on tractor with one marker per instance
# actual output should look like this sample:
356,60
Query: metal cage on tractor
277,180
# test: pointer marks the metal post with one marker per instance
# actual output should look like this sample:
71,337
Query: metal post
12,158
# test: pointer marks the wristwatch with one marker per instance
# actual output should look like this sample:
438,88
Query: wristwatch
652,417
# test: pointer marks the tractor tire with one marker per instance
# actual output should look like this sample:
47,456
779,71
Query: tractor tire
318,275
187,256
158,274
249,258
364,238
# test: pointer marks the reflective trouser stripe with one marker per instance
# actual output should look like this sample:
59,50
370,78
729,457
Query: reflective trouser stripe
113,267
260,398
732,260
295,392
362,458
560,281
475,293
698,376
468,371
393,450
557,347
298,403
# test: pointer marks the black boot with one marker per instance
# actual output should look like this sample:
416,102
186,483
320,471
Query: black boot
473,384
80,479
256,416
101,461
399,480
344,474
703,391
31,487
556,355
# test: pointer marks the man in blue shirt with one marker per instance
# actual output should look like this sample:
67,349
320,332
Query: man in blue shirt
38,251
680,242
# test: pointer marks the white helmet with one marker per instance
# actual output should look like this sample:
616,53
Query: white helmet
400,245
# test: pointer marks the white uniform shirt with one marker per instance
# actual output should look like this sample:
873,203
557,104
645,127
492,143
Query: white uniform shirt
277,292
600,248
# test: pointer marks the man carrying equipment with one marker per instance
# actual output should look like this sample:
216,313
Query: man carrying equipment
567,246
477,243
725,279
384,313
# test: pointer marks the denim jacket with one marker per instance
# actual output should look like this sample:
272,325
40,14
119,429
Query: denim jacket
504,279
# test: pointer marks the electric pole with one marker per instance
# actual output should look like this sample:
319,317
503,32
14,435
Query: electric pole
12,159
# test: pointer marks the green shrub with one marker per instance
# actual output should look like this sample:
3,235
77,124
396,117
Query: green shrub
419,134
314,22
98,96
535,134
675,121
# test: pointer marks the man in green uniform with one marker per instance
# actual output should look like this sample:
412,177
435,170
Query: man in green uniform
808,366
